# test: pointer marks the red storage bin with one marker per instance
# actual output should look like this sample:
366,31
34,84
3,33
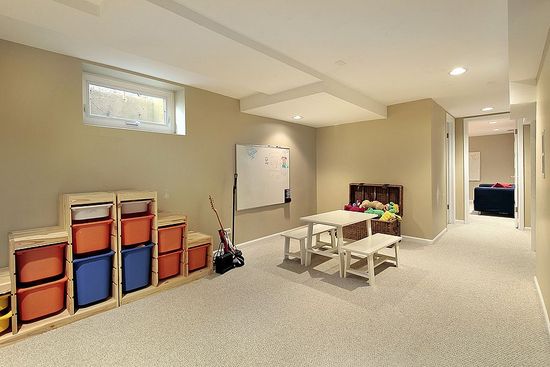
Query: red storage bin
136,229
91,236
41,300
197,257
169,264
40,262
171,238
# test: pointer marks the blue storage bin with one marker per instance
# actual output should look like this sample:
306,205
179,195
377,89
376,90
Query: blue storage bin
92,278
136,267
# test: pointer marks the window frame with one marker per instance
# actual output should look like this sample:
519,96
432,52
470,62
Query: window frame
119,123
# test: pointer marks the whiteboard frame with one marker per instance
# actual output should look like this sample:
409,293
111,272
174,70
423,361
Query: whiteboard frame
237,173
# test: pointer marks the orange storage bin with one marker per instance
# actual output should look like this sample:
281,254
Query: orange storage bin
169,264
197,257
40,262
91,236
171,238
136,229
41,300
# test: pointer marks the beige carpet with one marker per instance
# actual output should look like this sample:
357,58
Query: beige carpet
468,300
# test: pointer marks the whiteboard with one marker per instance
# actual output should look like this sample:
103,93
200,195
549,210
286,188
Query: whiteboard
262,175
475,166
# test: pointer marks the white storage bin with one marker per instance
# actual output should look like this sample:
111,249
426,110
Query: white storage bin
90,211
132,207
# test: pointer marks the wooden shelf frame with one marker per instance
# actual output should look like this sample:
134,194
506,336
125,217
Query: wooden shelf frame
128,196
31,238
172,219
66,203
195,239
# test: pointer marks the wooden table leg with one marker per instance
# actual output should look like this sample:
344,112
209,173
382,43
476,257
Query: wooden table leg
302,251
333,238
396,248
307,260
287,247
340,237
348,263
370,260
369,227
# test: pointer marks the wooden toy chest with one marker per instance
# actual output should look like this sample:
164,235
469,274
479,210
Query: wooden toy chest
383,193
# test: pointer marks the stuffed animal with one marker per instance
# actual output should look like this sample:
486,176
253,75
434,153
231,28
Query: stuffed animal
378,213
392,207
387,216
372,204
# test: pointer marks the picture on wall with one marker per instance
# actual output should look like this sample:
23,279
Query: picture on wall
475,166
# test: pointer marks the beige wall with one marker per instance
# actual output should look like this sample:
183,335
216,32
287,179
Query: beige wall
396,150
45,149
527,173
459,167
543,183
497,159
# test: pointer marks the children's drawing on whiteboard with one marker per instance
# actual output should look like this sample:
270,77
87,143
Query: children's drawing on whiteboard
272,162
284,162
251,152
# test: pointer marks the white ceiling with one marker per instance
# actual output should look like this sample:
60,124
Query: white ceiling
363,53
491,125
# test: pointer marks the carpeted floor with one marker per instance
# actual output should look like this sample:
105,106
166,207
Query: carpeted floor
468,300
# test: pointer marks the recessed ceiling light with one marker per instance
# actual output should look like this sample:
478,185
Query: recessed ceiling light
492,122
496,129
457,71
297,117
485,109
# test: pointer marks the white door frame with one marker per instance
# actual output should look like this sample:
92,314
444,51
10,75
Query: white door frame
533,139
451,159
519,179
466,173
518,157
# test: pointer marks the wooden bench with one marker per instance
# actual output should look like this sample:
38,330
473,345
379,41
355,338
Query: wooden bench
300,234
369,248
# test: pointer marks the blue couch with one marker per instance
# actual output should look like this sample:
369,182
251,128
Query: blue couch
499,200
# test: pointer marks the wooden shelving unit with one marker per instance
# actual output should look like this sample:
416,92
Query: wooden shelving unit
26,239
66,203
21,240
195,239
127,196
5,288
166,220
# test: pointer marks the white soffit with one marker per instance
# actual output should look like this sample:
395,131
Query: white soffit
274,105
393,51
491,125
318,110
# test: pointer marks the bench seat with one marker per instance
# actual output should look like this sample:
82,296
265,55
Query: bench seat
300,234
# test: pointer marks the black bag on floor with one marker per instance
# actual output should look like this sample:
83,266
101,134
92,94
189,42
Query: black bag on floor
224,262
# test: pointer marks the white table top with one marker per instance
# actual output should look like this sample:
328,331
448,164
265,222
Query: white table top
338,218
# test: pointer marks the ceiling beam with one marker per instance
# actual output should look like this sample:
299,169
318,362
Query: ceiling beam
328,84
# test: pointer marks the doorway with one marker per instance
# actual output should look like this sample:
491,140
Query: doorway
494,169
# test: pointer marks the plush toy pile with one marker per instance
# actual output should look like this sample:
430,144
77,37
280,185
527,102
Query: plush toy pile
385,212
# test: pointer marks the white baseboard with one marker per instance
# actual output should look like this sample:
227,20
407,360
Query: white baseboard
545,312
459,221
417,239
262,238
425,241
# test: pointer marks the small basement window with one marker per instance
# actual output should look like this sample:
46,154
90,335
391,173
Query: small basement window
116,103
